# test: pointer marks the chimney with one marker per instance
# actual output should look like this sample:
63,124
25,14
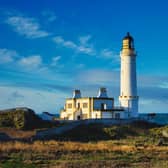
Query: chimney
76,94
102,93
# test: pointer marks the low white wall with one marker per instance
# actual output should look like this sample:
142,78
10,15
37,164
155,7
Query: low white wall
107,115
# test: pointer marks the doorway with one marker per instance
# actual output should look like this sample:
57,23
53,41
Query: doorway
78,117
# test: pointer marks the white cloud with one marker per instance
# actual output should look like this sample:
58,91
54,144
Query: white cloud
98,76
31,62
58,40
84,39
49,15
38,100
55,60
80,66
27,27
164,85
153,81
152,105
82,47
85,47
7,56
20,63
61,41
86,50
70,44
109,54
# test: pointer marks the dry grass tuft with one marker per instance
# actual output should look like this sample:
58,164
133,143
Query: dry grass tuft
45,146
15,133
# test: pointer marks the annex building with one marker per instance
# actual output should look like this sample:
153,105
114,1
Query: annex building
102,106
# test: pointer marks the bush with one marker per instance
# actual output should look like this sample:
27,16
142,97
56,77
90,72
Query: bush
22,118
118,132
158,132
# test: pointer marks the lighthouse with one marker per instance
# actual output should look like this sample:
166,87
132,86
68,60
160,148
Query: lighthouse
128,83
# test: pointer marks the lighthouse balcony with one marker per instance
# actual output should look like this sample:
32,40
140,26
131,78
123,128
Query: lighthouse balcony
129,97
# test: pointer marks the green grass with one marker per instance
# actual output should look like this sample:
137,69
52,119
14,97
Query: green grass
23,119
17,164
16,160
132,133
83,159
91,149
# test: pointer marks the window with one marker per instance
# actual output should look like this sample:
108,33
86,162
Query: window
78,105
85,105
96,116
103,106
69,105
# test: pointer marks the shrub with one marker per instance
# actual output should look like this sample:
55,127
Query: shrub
22,118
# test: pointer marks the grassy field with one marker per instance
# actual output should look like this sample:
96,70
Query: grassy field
134,145
72,154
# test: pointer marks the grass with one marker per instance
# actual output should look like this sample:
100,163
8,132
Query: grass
132,145
15,133
23,119
137,131
42,153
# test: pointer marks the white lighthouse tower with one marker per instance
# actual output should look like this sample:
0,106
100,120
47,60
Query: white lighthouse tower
128,87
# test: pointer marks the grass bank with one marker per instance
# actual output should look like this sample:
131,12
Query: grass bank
132,145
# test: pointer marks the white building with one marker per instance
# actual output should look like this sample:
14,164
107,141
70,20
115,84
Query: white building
102,106
128,83
90,107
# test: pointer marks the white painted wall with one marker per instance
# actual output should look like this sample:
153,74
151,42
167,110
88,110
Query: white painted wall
70,101
81,101
78,113
63,115
106,114
128,84
95,115
130,106
97,103
70,117
128,76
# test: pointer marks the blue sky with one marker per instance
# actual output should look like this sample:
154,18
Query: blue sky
48,48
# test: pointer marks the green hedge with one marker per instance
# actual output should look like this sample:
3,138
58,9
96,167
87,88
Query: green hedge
19,118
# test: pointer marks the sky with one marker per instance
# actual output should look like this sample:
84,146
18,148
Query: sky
48,48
